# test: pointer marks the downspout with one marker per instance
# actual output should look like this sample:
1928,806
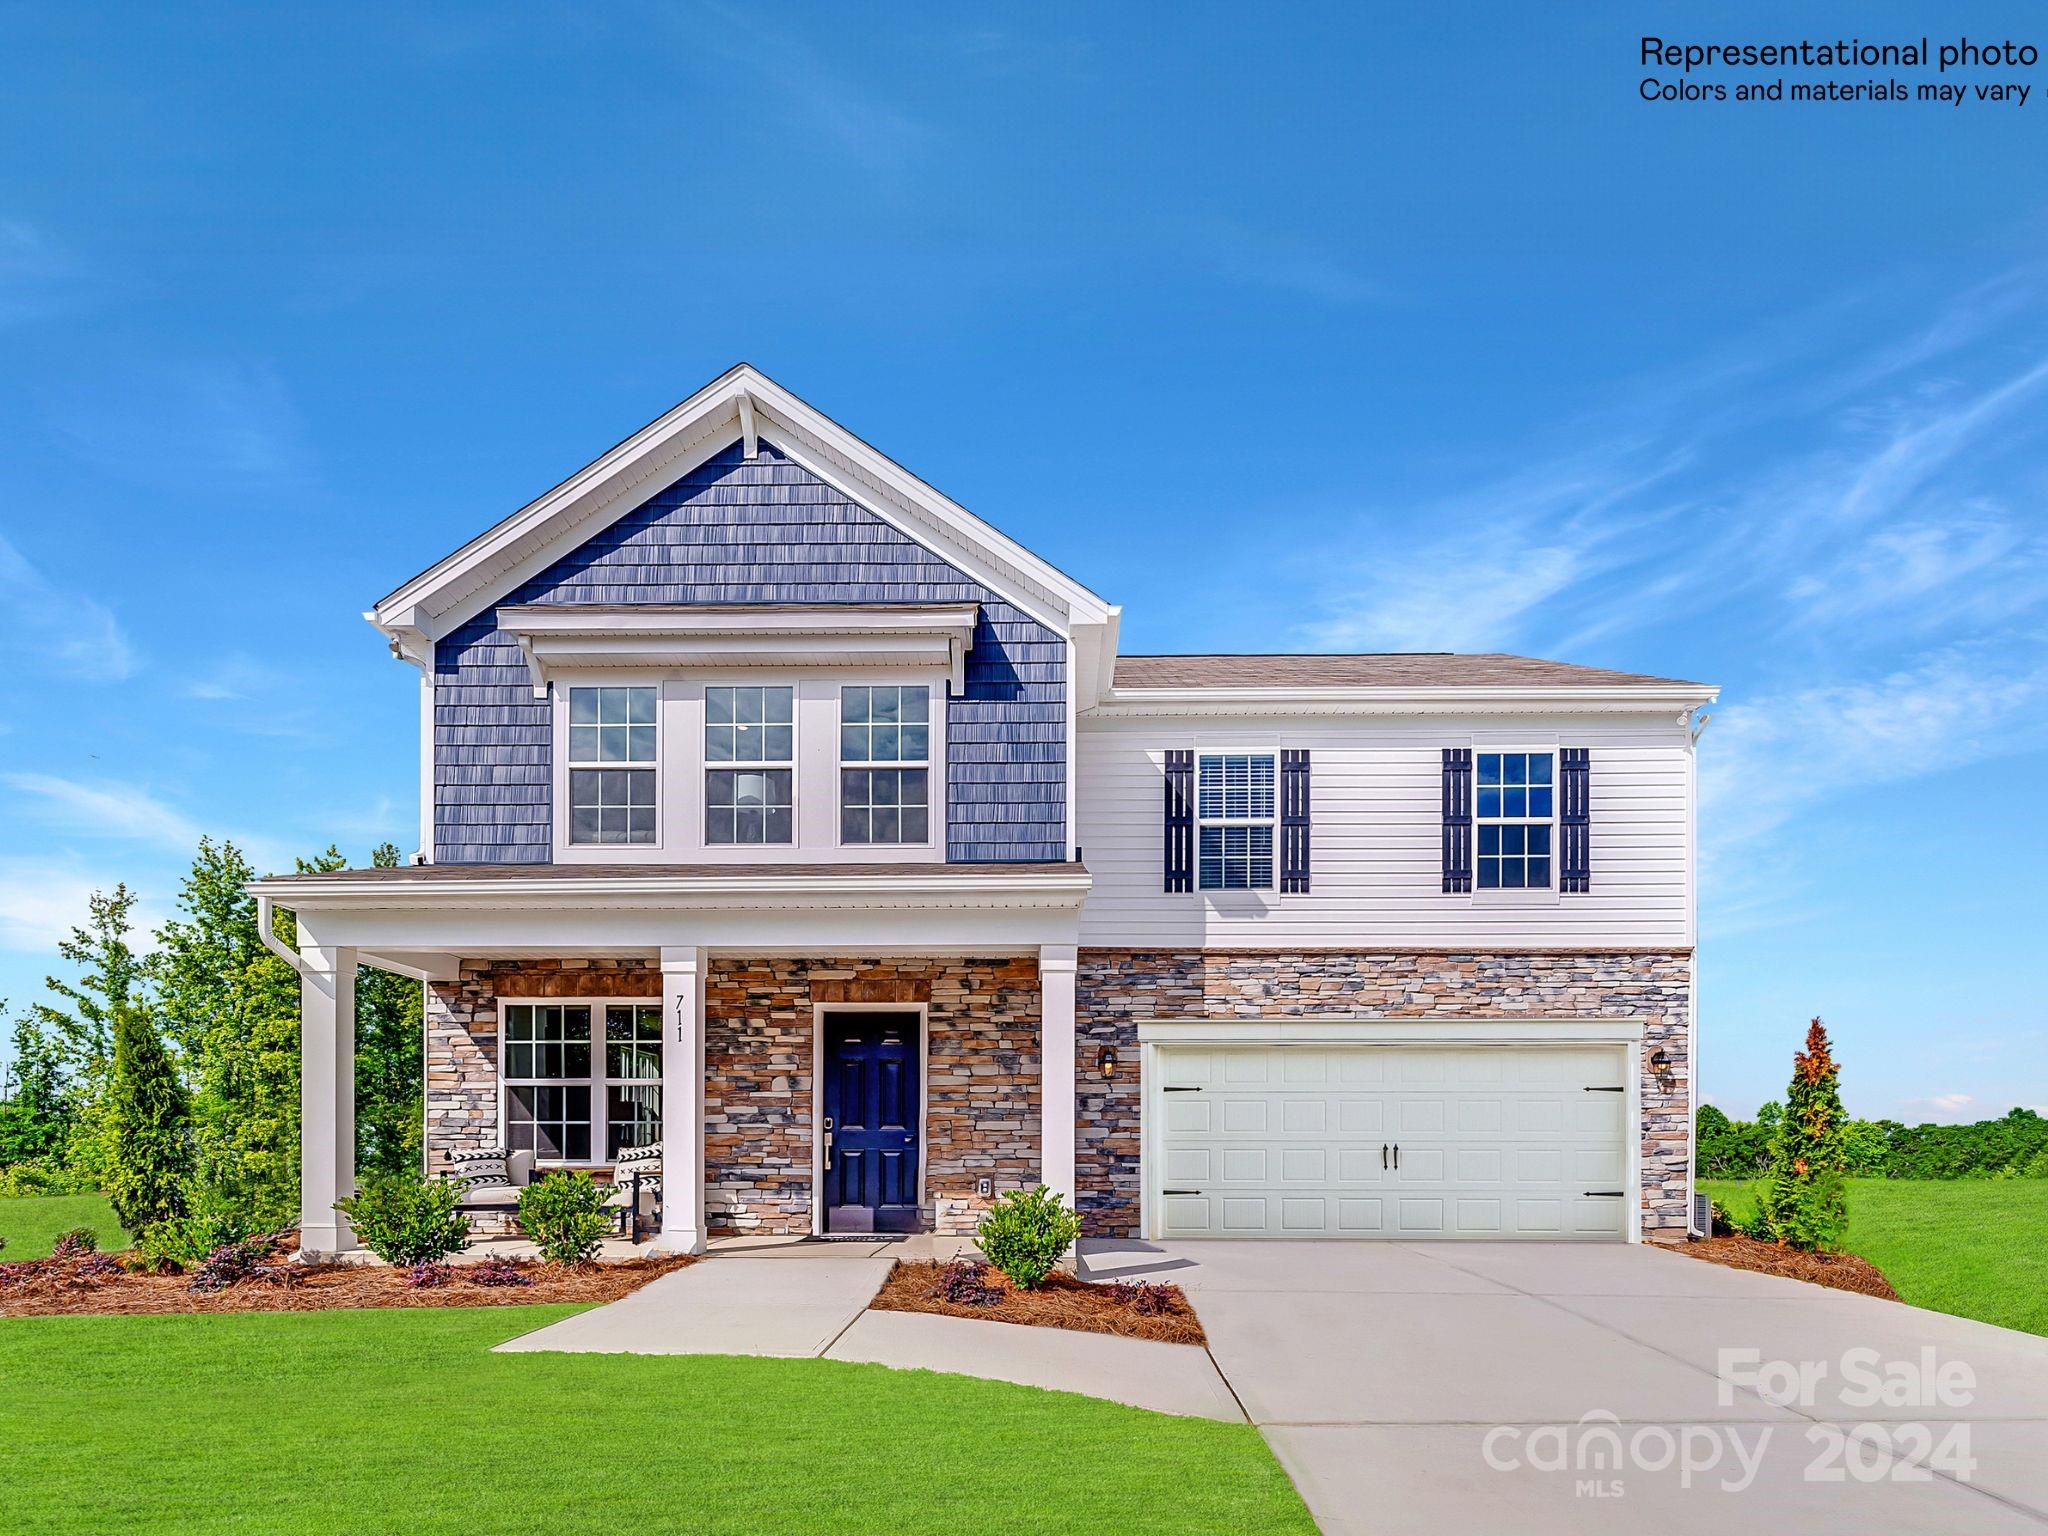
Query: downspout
272,942
1692,983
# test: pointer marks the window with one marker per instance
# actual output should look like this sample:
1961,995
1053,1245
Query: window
567,1092
611,765
885,726
1514,813
754,726
1234,819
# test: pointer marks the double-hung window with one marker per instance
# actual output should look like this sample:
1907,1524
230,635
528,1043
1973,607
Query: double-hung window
1234,822
750,765
612,766
885,764
579,1076
1516,795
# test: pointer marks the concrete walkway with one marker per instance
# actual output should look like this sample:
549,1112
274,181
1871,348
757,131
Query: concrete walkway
798,1300
1400,1384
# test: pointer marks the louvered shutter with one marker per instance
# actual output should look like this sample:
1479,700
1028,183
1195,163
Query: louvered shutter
1457,818
1575,786
1180,821
1293,821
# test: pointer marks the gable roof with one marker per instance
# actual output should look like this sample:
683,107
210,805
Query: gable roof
1395,669
739,405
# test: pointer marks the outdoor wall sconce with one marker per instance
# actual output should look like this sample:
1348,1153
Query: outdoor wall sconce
1660,1063
1105,1063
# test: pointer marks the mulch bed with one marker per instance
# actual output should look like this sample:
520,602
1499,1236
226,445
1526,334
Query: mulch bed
59,1288
1159,1312
1839,1271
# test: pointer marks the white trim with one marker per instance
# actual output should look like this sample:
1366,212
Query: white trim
1608,699
933,763
924,1102
559,639
598,1081
427,795
802,889
701,765
1548,894
561,765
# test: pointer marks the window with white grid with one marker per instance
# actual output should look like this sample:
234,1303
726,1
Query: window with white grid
581,1076
612,765
1234,798
750,765
885,764
1515,800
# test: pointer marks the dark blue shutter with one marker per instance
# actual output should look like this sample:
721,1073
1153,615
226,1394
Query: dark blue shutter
1180,821
1293,821
1575,796
1457,818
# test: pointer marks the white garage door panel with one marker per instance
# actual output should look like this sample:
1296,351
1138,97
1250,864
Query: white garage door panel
1295,1141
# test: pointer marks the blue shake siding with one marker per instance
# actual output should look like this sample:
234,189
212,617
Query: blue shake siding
760,531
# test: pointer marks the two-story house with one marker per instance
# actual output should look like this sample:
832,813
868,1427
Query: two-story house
776,808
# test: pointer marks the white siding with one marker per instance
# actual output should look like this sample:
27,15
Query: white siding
1376,870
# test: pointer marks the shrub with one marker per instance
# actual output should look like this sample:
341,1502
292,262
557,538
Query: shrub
565,1217
183,1242
231,1262
1026,1232
42,1176
75,1244
965,1283
426,1277
149,1123
1805,1202
1145,1298
97,1267
406,1219
497,1272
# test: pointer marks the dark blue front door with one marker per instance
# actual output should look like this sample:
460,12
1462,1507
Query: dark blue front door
871,1114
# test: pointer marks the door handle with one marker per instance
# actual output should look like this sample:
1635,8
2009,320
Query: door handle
828,1151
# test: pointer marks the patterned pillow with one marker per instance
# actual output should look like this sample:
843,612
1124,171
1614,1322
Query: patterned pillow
645,1161
480,1167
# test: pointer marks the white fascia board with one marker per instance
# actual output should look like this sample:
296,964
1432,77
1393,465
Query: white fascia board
1588,699
466,582
1421,1031
881,892
556,639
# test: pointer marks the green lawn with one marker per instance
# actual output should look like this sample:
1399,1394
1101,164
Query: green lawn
1974,1247
403,1421
31,1224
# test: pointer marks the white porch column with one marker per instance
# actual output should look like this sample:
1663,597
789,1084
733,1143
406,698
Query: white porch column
682,1101
327,1097
1056,967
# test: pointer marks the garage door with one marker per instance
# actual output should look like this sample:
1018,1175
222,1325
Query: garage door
1390,1141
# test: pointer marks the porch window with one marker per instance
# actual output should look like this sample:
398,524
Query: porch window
578,1076
612,753
755,727
885,765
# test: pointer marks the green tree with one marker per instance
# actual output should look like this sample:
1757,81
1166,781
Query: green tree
35,1112
1805,1201
390,1064
149,1121
109,980
203,955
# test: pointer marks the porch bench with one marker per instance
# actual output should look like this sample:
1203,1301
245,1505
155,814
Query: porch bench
492,1199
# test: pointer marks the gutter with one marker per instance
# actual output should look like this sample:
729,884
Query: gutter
291,957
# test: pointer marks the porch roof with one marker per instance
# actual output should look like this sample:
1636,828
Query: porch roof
665,878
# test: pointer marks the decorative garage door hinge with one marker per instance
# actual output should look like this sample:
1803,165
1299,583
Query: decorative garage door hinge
1607,1194
1604,1090
1171,1089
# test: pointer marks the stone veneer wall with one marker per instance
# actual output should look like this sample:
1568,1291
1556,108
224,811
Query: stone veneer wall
981,1070
1116,990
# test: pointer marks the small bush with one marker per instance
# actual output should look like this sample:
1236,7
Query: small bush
405,1219
496,1272
231,1263
965,1283
75,1244
565,1217
182,1243
97,1267
1145,1298
427,1277
41,1176
1026,1232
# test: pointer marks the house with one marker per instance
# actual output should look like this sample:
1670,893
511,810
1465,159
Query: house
777,808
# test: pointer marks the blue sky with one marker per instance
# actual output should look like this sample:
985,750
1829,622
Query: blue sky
1389,327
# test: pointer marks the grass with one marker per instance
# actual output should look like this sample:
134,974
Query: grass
31,1223
385,1421
1974,1247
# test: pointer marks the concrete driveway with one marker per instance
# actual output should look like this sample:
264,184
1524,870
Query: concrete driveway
1534,1387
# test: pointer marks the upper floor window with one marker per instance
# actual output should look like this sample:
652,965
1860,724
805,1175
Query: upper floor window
885,764
1516,797
755,727
1234,822
612,765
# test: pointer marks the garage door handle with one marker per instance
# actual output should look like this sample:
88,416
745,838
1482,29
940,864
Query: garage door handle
1607,1194
1383,1154
1397,1154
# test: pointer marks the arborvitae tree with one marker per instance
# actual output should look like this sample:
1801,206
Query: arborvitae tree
390,1064
34,1110
149,1123
1805,1202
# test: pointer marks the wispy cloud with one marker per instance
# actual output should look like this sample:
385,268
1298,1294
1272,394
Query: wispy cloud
1289,264
234,677
217,425
106,810
38,277
42,900
1946,1106
45,625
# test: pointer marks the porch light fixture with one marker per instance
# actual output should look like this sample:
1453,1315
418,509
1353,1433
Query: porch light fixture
1660,1063
1105,1063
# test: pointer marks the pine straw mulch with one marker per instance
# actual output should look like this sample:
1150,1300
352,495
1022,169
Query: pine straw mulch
60,1290
1158,1312
1838,1271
